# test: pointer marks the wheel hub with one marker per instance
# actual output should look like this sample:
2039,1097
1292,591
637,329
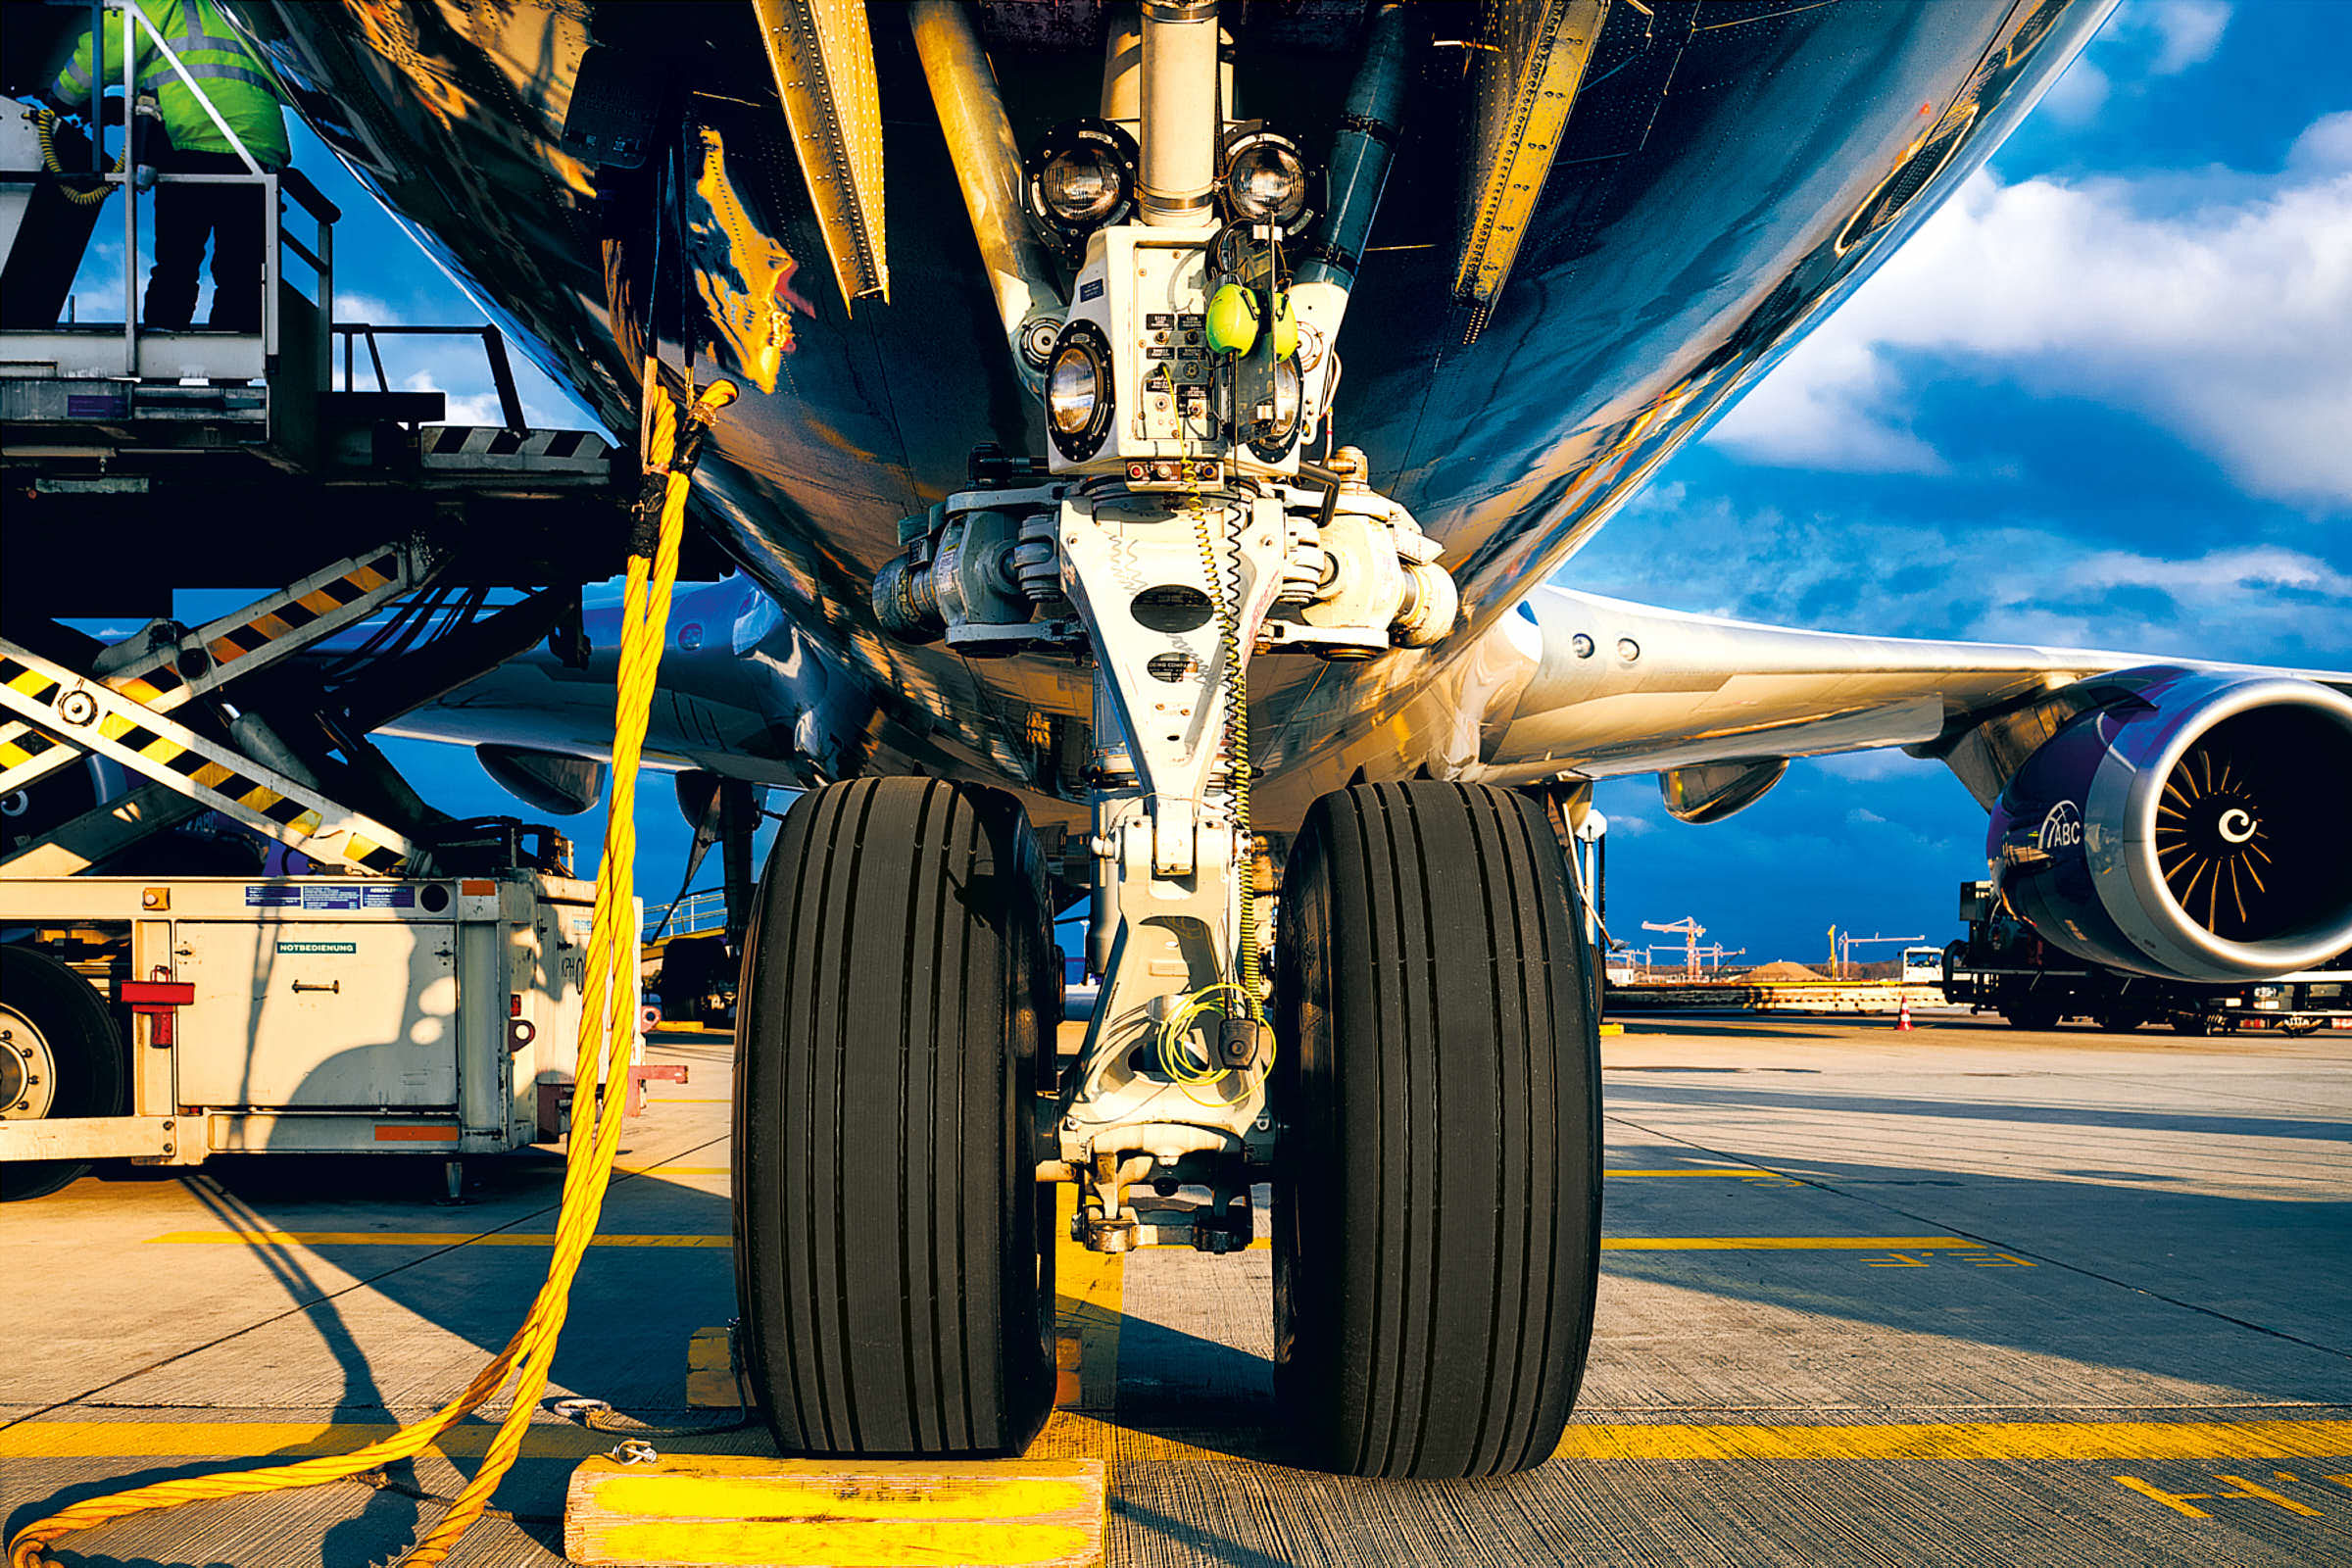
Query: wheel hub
27,1068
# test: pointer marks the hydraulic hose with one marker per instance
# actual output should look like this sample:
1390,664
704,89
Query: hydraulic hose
600,1073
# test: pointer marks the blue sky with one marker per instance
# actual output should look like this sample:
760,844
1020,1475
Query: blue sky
2103,399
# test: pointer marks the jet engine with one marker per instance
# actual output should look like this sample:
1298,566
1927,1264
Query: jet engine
2192,824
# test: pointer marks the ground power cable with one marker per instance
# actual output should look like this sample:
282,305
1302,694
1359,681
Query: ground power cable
670,447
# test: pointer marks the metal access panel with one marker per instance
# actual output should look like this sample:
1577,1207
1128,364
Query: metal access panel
320,1014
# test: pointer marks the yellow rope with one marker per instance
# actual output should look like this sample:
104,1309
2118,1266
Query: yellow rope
44,129
601,1069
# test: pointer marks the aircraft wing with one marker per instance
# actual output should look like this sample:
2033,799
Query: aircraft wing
1620,688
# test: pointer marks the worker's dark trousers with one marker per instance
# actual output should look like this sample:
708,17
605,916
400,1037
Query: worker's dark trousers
185,217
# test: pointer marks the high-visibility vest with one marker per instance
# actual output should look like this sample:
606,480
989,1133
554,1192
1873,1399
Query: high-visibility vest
211,54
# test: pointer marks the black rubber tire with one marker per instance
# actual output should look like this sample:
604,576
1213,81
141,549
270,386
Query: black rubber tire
2033,1015
893,1251
2195,1025
1437,1195
2121,1021
88,1052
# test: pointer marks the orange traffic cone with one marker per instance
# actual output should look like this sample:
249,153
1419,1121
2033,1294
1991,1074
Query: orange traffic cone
1903,1018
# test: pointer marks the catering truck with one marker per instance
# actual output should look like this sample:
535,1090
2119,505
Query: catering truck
2002,965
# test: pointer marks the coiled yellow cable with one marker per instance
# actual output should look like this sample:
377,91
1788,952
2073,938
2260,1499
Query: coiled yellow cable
601,1071
1175,1060
44,129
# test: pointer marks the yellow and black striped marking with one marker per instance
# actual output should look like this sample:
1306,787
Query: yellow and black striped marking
164,752
166,677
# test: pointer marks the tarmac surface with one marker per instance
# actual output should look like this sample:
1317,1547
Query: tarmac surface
1964,1295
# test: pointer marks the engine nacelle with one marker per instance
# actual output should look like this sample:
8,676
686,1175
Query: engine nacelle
2198,825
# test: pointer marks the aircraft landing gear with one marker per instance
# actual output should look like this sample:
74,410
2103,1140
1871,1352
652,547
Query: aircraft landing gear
1437,1195
894,1258
1423,1092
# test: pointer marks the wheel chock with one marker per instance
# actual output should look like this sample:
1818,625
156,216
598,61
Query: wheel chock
692,1510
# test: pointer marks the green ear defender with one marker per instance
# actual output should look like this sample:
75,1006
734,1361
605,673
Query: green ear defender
1286,326
1233,319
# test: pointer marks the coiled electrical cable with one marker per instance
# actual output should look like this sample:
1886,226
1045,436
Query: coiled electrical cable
44,129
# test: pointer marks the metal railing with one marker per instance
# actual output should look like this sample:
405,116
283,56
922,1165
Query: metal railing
494,349
695,914
273,186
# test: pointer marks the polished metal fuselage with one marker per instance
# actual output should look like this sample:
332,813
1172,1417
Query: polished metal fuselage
1729,171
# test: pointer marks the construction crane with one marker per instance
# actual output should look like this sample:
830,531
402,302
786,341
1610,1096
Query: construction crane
1843,953
1691,929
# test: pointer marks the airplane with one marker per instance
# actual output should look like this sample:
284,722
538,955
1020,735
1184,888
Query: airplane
1159,425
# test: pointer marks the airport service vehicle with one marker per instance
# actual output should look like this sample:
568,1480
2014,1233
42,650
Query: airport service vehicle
1923,967
2003,966
1158,426
171,1019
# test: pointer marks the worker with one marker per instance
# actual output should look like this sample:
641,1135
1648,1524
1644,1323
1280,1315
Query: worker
243,93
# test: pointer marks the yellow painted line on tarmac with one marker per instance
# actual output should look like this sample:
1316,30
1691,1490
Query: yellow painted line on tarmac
1077,1434
677,1099
166,1440
1090,1288
1612,1175
1987,1440
1091,1280
1759,1244
427,1239
1779,1243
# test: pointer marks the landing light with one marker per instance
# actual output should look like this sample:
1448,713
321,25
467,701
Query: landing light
1081,178
1078,396
1265,179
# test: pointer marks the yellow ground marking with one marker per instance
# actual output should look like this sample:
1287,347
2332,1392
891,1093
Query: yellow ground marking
710,1370
1777,1244
2179,1501
1973,1439
1075,1434
679,1099
429,1239
1749,1171
171,1440
738,1509
1088,1282
1089,1286
1612,1028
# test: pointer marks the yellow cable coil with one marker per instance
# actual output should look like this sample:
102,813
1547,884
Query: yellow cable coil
44,129
604,1046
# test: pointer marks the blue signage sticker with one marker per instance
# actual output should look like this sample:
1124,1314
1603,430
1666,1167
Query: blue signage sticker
272,895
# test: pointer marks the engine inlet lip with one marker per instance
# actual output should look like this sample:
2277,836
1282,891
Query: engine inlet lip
2128,789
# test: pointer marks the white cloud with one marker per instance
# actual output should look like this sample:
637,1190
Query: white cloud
2001,580
2187,31
2078,93
2226,319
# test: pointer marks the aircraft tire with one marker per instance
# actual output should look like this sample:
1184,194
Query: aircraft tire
58,1027
894,1249
1436,1191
